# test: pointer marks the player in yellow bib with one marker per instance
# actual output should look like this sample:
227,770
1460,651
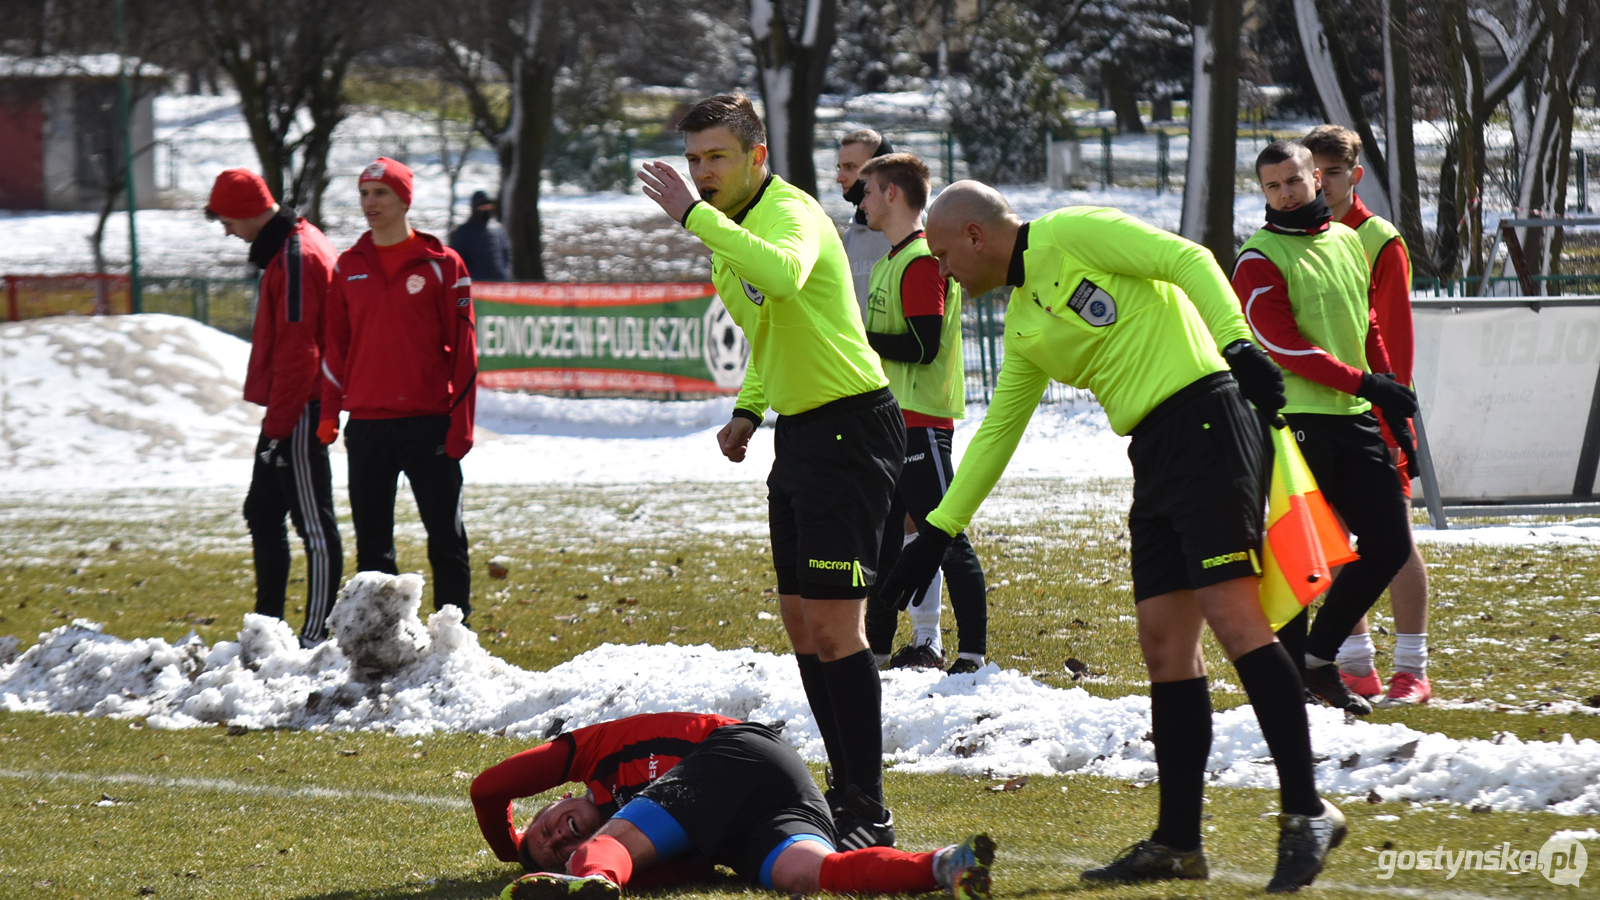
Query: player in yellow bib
781,271
914,322
1146,320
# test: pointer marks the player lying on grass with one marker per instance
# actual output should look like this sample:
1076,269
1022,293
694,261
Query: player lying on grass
676,793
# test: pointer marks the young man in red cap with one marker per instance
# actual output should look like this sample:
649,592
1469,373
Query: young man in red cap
402,360
291,472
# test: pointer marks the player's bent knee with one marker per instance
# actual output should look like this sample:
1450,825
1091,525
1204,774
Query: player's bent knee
795,866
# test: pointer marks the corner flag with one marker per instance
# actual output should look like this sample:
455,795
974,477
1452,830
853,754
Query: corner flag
1304,541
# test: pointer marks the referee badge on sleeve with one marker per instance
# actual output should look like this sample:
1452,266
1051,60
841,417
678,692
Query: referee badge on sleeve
1093,304
750,291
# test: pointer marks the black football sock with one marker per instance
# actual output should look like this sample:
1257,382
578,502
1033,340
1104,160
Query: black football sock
1180,723
1293,638
857,696
1278,696
816,687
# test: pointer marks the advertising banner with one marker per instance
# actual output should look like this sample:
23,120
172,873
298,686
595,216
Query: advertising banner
627,339
1507,392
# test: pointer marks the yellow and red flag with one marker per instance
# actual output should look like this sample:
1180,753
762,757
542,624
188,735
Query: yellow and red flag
1303,542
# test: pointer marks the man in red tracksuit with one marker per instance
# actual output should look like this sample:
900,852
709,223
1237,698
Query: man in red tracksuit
676,793
402,360
1337,152
291,469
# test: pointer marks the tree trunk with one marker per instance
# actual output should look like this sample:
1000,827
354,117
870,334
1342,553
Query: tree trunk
1401,151
1341,104
1213,126
791,68
280,71
522,144
1547,144
1119,89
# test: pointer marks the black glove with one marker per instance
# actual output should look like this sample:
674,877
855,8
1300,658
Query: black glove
1260,379
914,571
1396,403
1395,399
1402,436
268,454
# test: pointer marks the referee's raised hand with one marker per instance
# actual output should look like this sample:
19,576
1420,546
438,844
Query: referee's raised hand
664,185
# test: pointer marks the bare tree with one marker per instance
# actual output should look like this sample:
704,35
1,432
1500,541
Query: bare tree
480,46
1400,149
792,42
1472,96
454,148
1213,126
1541,111
288,57
1329,62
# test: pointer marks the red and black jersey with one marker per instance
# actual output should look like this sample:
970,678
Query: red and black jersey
286,339
1271,318
922,293
1390,295
402,346
614,760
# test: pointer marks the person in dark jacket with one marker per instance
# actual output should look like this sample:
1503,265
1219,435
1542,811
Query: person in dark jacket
481,242
291,473
402,360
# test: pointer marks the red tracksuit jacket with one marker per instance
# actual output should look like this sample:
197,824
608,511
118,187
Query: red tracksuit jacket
613,759
403,348
286,341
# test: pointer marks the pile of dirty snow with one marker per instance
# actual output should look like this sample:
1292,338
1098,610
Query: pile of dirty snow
384,670
84,398
157,400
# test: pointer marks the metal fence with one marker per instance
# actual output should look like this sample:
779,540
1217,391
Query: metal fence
983,350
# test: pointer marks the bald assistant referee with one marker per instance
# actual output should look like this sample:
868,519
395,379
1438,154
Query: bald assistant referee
781,270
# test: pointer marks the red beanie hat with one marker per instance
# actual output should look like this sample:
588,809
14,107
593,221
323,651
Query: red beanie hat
239,194
394,174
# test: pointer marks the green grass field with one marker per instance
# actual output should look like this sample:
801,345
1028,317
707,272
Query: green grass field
103,808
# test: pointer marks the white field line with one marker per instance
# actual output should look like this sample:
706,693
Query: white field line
222,785
226,786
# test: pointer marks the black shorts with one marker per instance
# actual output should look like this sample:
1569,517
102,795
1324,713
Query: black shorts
739,795
1200,463
832,479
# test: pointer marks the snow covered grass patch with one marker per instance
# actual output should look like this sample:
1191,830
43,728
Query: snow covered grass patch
384,670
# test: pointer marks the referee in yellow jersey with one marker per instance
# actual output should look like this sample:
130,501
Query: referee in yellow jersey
781,270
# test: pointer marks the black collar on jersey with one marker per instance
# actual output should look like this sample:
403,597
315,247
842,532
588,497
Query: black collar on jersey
739,219
271,237
909,238
1015,273
1308,219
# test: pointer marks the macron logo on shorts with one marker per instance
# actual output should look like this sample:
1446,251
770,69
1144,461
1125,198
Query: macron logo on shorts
1224,559
853,566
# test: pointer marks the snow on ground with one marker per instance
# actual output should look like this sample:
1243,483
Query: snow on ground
155,399
83,400
404,677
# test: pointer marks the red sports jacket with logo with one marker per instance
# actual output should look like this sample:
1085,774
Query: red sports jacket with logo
613,759
406,347
286,340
